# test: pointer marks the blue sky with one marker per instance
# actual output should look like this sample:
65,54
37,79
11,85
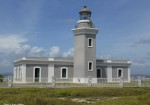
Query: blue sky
43,28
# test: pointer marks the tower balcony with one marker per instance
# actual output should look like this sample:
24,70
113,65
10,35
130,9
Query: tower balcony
84,24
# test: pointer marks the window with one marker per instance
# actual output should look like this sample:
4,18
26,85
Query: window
90,66
120,73
90,42
64,73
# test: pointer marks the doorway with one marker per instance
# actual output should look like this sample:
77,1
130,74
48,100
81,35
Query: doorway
99,73
37,75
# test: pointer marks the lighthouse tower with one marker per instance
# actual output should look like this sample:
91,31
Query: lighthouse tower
85,48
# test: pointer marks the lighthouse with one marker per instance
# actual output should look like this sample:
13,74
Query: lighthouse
84,68
85,48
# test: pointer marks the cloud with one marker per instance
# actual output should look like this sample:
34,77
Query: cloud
143,41
27,50
140,67
5,63
141,63
37,51
16,44
69,53
10,43
148,53
147,56
55,52
24,49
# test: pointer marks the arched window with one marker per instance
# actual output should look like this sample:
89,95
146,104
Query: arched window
64,73
90,65
119,72
90,42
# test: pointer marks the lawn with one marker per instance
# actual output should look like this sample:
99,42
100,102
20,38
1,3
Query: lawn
75,96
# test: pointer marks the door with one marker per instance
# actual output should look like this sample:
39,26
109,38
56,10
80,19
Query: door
99,73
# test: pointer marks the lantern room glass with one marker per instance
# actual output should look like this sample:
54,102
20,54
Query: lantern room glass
85,16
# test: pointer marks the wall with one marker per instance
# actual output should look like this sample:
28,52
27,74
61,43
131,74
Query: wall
125,71
57,70
104,71
90,55
29,71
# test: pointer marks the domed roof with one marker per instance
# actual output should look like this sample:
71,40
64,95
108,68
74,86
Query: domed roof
85,9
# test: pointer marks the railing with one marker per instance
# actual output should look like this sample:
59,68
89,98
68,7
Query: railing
9,82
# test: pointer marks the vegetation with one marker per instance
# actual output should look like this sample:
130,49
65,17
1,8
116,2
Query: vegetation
75,96
1,78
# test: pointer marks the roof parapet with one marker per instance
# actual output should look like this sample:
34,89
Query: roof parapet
108,61
51,59
23,58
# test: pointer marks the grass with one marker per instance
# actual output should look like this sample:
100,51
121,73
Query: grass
75,96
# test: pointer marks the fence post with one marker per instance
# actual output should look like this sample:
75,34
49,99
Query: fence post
121,81
139,81
53,81
9,82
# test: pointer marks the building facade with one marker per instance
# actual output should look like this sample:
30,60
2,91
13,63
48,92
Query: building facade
81,68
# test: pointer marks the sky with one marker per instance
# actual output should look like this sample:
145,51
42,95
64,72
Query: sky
43,28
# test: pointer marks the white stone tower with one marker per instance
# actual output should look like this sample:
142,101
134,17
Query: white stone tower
85,48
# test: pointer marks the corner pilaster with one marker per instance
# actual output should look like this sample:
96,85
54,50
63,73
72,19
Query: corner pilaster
23,73
50,72
109,73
